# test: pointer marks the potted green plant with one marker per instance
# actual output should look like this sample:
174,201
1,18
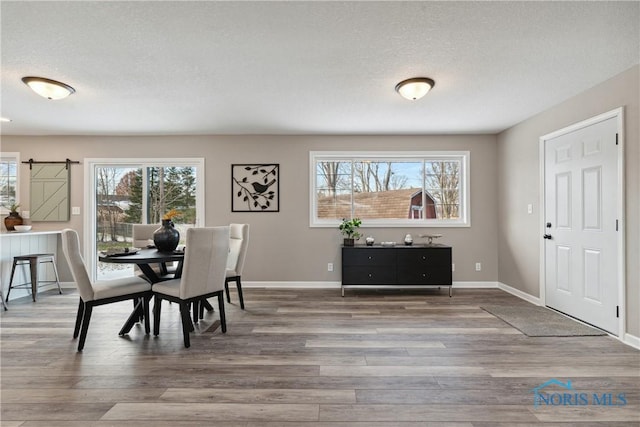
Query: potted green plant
349,228
14,217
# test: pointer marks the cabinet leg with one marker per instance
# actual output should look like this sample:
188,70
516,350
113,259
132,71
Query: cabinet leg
342,289
450,290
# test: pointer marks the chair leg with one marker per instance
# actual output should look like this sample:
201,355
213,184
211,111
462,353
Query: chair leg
76,330
223,320
196,311
226,289
55,272
145,308
85,325
157,306
186,323
13,270
239,286
33,266
202,304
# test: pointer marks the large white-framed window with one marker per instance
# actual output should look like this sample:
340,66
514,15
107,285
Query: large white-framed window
9,180
122,192
390,188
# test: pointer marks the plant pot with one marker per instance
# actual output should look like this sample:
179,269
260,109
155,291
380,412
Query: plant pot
349,242
166,238
12,220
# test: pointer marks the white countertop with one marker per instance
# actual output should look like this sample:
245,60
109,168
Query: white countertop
5,233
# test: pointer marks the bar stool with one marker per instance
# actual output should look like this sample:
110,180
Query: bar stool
33,260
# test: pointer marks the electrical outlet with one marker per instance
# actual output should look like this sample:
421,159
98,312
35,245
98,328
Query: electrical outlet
25,214
453,267
529,208
478,266
75,210
330,266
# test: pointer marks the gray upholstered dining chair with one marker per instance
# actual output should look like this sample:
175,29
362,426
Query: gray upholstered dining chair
203,275
142,234
238,243
101,292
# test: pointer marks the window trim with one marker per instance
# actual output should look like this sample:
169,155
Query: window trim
465,198
13,155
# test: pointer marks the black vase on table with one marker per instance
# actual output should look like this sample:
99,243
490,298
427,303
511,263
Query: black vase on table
166,238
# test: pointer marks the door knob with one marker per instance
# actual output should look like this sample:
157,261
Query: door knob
547,236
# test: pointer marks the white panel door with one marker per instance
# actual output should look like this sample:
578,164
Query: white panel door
581,196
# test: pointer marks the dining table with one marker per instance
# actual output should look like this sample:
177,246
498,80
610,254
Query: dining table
145,259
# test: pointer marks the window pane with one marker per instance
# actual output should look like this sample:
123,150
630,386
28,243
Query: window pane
8,181
171,188
395,189
121,202
114,187
333,189
442,183
387,190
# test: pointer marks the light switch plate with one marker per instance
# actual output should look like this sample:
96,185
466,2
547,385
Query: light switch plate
75,210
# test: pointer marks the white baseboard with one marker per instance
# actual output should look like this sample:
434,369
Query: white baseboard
522,295
631,340
334,285
291,285
475,285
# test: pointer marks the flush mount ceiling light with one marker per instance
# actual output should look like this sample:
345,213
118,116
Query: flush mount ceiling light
48,88
415,88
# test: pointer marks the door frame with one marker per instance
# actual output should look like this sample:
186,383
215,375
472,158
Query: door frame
618,114
89,238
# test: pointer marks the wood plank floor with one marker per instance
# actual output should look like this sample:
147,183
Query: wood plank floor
311,358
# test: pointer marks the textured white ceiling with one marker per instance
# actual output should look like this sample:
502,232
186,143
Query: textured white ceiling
144,68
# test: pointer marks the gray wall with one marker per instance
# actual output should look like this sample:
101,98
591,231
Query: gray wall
283,246
519,181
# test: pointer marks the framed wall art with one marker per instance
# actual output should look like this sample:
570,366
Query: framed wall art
255,187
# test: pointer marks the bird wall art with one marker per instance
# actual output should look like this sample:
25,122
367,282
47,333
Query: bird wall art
255,187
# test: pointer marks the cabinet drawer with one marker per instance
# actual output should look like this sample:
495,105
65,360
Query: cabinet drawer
431,276
366,275
427,266
370,256
424,258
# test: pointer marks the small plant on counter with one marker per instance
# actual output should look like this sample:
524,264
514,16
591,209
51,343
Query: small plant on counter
13,208
349,228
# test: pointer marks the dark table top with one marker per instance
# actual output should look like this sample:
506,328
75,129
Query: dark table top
143,256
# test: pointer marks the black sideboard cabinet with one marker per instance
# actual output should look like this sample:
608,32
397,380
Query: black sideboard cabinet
416,265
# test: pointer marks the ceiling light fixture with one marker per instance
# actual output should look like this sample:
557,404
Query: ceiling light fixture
415,88
4,119
48,88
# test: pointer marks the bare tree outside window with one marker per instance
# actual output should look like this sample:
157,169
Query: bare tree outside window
405,190
442,182
108,210
372,176
8,181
